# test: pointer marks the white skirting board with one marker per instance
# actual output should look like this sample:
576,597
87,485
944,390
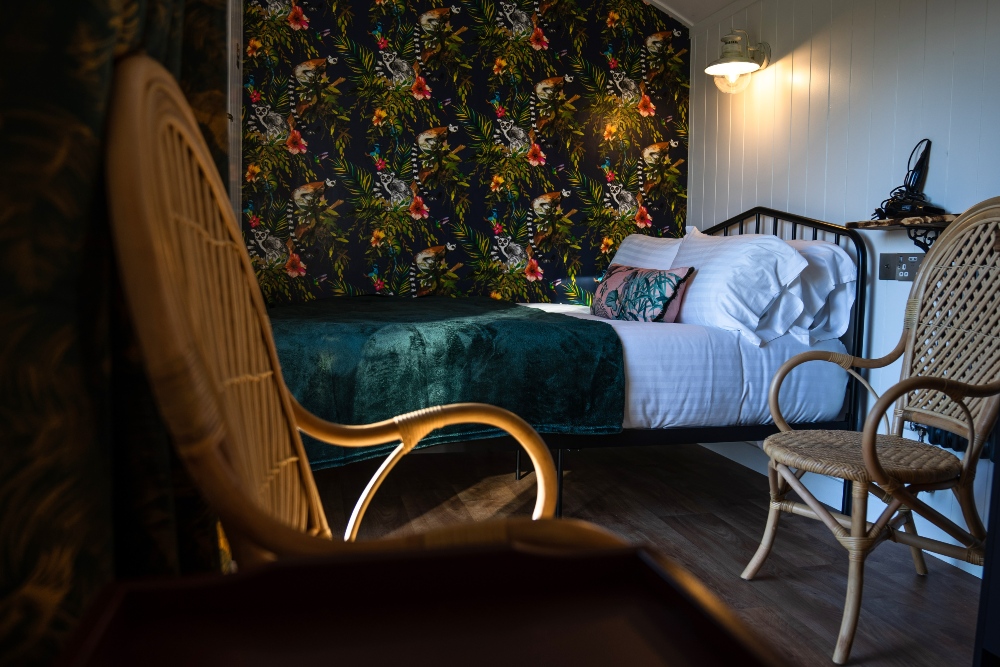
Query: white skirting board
829,492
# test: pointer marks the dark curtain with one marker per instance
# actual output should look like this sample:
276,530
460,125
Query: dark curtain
89,488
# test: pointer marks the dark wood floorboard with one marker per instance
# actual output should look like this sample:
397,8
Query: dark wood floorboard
707,513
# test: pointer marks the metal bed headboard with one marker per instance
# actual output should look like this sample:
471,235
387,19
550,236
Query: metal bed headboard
788,226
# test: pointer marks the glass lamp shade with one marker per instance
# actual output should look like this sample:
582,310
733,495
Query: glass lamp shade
732,84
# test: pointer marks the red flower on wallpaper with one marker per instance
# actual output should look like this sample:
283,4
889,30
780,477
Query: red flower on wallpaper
642,219
379,164
535,155
255,96
254,221
497,229
297,19
295,144
501,112
417,208
294,266
382,43
610,177
538,40
646,107
379,284
420,89
532,271
613,63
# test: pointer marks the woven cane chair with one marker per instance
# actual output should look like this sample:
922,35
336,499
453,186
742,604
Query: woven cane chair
950,379
207,346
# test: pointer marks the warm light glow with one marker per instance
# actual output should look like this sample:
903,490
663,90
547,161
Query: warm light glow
732,68
733,78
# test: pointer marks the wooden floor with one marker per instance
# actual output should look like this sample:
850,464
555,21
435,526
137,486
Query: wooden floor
707,513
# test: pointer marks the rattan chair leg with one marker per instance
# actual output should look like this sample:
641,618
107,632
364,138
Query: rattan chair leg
855,573
778,491
918,554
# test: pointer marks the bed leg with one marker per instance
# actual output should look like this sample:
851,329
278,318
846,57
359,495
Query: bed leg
517,465
845,500
559,485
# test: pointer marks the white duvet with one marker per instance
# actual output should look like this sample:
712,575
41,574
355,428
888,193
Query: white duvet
690,375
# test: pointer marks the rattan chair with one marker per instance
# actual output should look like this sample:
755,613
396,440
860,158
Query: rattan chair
950,379
207,347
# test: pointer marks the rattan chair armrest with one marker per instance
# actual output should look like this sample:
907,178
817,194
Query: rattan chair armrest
412,427
845,361
956,391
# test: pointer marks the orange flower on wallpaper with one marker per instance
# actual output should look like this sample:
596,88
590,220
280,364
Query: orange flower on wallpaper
496,183
642,218
538,40
297,19
295,144
610,130
606,245
294,266
613,17
377,237
496,295
252,172
253,47
498,65
535,155
420,89
379,116
532,271
646,107
417,208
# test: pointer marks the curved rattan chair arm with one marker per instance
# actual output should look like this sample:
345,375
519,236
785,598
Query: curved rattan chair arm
845,361
412,427
956,391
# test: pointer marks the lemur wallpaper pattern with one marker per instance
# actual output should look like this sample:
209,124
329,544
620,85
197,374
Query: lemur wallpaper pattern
496,148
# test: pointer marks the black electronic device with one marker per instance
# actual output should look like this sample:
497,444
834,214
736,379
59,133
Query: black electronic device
908,199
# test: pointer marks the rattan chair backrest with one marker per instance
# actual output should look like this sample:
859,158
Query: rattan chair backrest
954,320
201,320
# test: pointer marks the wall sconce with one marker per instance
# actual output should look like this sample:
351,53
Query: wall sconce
732,70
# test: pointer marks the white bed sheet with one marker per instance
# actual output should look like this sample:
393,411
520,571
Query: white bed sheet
689,375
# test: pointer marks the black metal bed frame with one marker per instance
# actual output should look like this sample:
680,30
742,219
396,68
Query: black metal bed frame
754,221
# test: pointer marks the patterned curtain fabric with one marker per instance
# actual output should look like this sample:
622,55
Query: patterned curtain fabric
471,147
89,487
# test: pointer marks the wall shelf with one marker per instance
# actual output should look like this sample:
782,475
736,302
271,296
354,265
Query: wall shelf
922,230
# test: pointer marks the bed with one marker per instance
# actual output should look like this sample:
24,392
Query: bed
644,384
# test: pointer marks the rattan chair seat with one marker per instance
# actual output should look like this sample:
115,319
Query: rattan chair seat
838,453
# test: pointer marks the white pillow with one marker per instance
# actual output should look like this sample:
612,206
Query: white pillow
828,291
647,252
738,281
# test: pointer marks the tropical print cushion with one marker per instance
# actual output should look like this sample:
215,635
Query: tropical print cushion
640,295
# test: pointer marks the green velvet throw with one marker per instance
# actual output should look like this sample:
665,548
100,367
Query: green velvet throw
357,360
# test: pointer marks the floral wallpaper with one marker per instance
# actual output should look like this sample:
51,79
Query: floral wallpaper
498,148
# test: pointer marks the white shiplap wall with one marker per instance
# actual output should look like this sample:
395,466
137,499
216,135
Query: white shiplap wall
826,130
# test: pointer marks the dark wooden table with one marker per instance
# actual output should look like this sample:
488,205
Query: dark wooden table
470,607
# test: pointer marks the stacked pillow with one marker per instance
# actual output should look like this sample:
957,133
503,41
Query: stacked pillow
756,284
